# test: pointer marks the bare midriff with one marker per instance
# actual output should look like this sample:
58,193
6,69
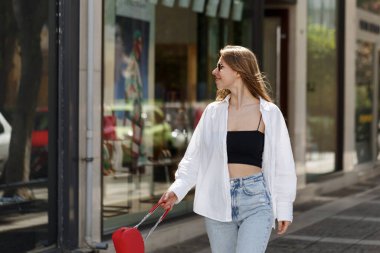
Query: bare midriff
237,170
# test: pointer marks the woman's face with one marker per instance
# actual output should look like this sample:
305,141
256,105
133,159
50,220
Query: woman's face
224,75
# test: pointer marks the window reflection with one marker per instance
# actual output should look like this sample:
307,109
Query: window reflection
147,114
146,134
24,51
321,88
364,100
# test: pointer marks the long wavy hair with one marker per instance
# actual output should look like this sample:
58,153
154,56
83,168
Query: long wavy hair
243,61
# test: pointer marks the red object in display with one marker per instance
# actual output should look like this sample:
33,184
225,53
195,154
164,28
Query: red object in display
40,132
129,239
40,138
109,124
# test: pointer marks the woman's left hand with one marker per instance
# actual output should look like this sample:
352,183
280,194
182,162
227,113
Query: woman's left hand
282,226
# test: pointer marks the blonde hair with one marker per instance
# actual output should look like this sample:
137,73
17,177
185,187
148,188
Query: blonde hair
243,61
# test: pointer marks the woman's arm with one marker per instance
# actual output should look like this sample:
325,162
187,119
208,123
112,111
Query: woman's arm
186,174
285,182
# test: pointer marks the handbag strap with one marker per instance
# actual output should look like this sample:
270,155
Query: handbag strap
151,211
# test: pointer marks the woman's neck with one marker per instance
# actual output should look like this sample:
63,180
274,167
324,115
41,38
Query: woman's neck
242,97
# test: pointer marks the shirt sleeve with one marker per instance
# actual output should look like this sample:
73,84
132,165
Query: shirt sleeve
285,183
186,174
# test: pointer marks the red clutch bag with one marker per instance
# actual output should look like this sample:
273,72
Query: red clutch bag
129,239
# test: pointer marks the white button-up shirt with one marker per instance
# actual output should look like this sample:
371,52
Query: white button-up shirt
204,164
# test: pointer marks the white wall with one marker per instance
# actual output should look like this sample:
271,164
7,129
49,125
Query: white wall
349,152
96,39
297,85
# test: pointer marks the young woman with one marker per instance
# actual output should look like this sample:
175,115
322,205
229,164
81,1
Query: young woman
240,160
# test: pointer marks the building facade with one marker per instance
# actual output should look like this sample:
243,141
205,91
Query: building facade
99,99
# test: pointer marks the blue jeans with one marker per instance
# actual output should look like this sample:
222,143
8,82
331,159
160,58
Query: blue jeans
252,219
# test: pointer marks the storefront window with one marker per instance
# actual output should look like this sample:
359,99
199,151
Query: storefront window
24,203
157,81
321,87
364,100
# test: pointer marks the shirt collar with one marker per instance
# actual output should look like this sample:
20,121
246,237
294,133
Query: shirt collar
227,99
264,104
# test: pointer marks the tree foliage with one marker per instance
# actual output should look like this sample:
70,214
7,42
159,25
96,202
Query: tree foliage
322,85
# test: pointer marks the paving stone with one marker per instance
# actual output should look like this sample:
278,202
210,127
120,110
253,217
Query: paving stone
306,206
376,192
344,192
182,249
374,236
288,244
375,179
370,183
323,247
326,228
198,244
281,250
363,209
362,249
351,229
360,229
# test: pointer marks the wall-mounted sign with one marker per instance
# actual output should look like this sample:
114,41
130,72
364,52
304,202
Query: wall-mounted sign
369,27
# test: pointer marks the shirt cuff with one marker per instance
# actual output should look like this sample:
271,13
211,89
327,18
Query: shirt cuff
285,211
178,188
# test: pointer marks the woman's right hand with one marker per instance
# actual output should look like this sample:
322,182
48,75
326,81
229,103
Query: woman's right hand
167,200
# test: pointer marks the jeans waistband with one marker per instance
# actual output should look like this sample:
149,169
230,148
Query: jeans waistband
235,182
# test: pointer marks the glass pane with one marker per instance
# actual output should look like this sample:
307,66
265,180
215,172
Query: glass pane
148,118
364,100
321,88
24,52
157,82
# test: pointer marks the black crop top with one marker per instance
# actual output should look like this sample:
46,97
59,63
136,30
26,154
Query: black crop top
245,147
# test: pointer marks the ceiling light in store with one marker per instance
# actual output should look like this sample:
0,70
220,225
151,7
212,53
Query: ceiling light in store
225,7
168,3
212,6
198,5
237,11
184,3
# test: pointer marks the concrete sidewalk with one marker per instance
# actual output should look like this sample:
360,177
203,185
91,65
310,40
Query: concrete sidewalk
346,221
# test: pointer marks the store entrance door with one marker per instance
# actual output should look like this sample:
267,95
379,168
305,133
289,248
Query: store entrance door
275,59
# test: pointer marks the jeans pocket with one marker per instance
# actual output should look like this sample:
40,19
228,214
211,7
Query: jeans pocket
253,195
253,189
